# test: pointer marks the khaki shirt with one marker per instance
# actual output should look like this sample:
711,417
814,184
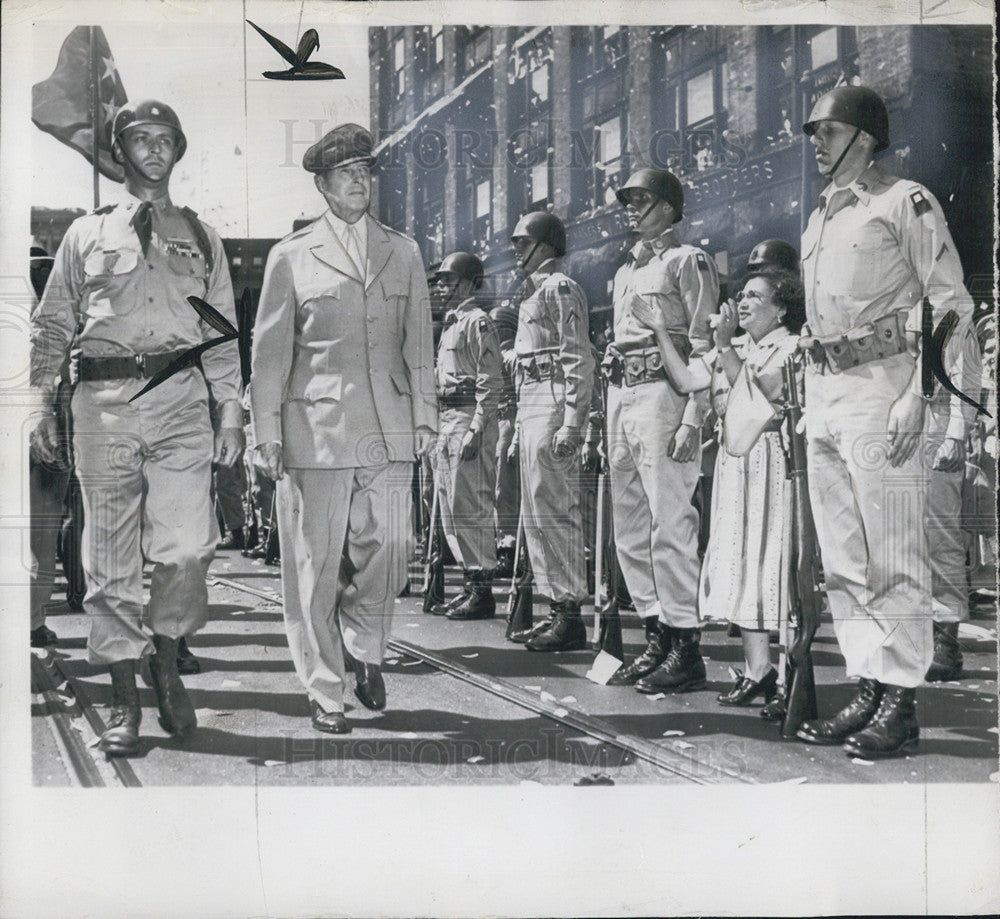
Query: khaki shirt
469,358
554,320
683,282
877,246
115,301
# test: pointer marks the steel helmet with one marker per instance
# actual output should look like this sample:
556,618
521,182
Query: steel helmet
665,185
773,253
542,227
463,264
149,111
855,105
505,319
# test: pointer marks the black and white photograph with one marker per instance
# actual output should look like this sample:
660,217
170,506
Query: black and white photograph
540,467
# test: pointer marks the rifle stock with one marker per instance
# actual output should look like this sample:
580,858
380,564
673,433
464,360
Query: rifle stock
433,590
609,637
521,602
805,592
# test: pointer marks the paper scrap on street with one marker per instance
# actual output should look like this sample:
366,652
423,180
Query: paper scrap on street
603,668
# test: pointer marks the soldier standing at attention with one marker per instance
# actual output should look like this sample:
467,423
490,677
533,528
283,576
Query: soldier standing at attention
873,249
469,382
118,292
555,374
654,434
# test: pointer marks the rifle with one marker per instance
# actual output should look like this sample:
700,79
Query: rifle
804,614
609,632
433,589
271,547
521,600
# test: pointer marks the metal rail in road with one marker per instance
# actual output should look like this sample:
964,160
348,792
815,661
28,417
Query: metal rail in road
667,758
64,706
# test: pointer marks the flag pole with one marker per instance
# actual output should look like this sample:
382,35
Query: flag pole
95,115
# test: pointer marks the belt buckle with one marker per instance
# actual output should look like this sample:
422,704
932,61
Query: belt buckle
140,364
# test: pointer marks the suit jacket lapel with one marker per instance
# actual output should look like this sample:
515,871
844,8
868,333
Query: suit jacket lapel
329,250
379,250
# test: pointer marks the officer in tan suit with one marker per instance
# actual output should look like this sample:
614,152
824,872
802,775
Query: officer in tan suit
342,399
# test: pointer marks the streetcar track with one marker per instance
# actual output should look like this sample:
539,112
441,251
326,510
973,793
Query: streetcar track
672,760
79,758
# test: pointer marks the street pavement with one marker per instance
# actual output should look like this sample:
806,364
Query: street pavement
438,729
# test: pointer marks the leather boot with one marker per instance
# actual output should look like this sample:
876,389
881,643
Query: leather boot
567,632
892,732
177,715
187,663
442,609
370,687
233,540
480,604
122,735
858,712
947,663
521,637
683,670
657,649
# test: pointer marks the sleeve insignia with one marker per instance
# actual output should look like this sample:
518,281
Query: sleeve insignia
920,204
564,287
702,261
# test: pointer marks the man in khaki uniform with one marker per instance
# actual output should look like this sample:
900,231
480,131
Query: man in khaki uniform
555,373
468,387
342,399
654,435
873,249
118,292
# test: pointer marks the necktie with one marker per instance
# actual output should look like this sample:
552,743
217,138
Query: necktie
142,223
354,248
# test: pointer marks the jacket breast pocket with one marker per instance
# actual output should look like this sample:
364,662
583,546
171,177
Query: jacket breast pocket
188,266
106,281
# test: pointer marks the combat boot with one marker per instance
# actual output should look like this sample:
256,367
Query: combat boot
121,738
858,712
442,609
177,715
566,633
892,731
657,649
521,636
480,603
187,663
683,670
947,663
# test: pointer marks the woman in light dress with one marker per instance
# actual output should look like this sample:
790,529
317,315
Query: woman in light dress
745,574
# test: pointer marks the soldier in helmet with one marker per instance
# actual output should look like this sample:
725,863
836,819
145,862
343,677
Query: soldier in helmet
555,371
773,253
654,434
118,294
469,381
508,492
874,248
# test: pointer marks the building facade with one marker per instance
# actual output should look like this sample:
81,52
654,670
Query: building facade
477,125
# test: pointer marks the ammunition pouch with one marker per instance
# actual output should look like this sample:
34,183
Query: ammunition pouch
873,341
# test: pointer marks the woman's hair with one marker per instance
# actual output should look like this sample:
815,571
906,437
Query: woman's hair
788,293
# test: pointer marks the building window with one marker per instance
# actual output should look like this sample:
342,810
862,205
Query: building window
482,228
599,70
830,55
398,65
539,185
690,107
430,54
477,47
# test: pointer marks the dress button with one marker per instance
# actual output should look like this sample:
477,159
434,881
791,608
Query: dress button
150,299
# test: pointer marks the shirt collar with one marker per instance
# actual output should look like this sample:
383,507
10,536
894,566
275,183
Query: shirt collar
546,268
660,244
339,227
860,187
